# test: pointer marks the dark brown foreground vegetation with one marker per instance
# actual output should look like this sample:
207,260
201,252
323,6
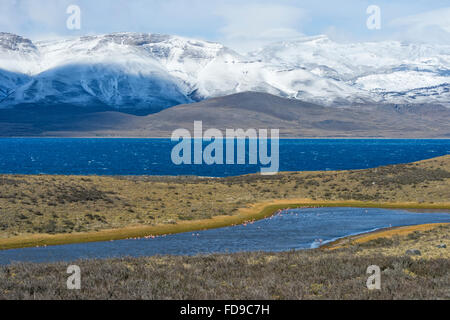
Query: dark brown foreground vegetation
313,274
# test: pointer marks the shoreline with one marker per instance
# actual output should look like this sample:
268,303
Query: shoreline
379,233
254,212
281,138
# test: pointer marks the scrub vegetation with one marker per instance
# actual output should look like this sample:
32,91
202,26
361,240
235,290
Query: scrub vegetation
312,274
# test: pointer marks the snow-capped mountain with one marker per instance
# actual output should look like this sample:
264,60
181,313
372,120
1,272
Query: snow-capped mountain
387,72
151,72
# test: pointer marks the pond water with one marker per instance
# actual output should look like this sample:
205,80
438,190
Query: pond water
291,229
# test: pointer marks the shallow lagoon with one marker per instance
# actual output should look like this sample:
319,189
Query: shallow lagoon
289,230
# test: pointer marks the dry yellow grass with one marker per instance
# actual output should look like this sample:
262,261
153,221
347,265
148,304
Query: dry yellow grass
384,233
426,238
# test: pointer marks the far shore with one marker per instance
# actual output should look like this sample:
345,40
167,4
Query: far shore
254,212
281,137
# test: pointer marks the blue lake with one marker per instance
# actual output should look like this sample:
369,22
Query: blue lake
153,156
291,229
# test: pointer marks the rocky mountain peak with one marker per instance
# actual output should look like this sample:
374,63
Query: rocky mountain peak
13,42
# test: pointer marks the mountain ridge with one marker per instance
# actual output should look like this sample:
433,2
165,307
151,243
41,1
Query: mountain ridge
245,110
146,73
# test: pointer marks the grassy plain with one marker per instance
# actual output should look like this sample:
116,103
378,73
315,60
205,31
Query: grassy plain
45,210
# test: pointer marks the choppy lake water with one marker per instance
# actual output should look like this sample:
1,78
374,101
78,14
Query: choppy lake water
153,156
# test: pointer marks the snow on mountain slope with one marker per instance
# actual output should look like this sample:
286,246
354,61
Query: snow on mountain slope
377,71
349,60
19,58
151,72
18,55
